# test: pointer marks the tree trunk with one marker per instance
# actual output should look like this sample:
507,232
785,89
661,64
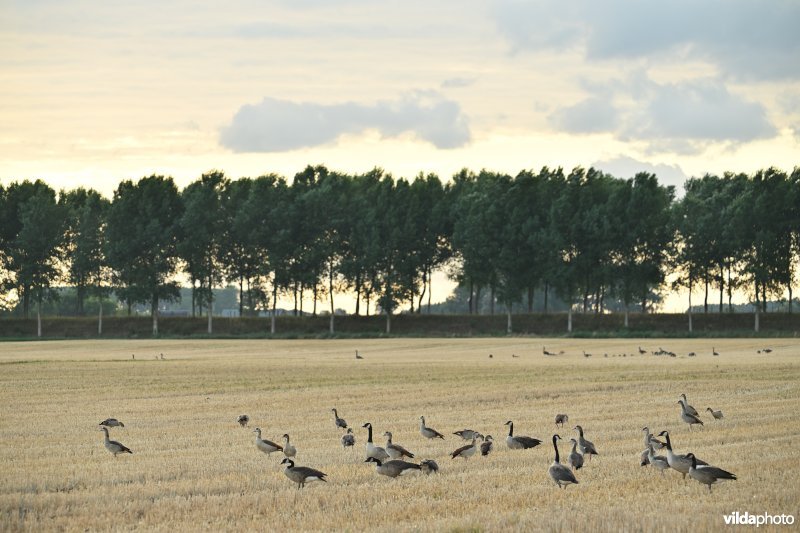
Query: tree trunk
100,319
478,300
358,293
154,313
424,289
790,297
26,301
241,295
295,299
491,299
194,297
274,308
546,293
80,290
626,316
690,305
730,290
430,289
569,319
705,299
469,300
764,296
508,319
530,299
302,293
39,315
316,295
330,292
388,322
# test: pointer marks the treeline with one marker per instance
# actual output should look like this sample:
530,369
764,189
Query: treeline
593,240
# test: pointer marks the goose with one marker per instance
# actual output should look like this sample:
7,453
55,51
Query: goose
643,460
545,352
467,434
716,414
586,446
715,352
114,446
340,422
706,474
560,419
642,352
681,463
649,440
396,451
112,423
689,408
302,474
487,445
562,475
288,449
348,439
358,356
575,459
466,451
429,466
376,452
519,442
691,354
586,354
688,417
658,461
243,420
428,433
266,446
514,356
490,356
767,350
393,468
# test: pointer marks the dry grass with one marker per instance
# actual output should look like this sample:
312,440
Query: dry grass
195,469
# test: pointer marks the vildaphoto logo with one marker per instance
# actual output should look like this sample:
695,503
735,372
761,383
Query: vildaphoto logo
764,519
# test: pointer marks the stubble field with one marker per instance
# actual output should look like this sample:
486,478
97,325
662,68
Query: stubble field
194,468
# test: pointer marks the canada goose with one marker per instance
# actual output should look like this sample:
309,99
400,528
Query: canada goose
715,352
586,354
681,463
560,419
691,354
288,449
767,350
687,417
545,352
642,352
358,356
428,433
466,451
243,420
649,440
487,445
706,474
514,356
302,474
266,446
562,475
393,468
373,451
340,422
396,451
689,409
519,442
586,446
575,459
658,461
162,357
112,423
716,414
114,446
467,434
348,439
429,466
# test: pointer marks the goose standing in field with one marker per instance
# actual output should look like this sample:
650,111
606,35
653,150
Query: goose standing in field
487,445
114,446
393,468
706,474
340,422
428,433
688,417
575,458
560,419
466,451
429,466
302,474
545,352
714,352
348,439
559,473
358,356
395,451
586,446
716,414
642,352
650,440
586,354
375,452
288,449
519,442
243,420
467,434
266,446
681,463
658,461
112,423
689,409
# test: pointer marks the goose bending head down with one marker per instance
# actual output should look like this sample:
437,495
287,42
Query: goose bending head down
519,442
487,445
393,468
466,451
560,474
348,439
302,474
113,446
428,433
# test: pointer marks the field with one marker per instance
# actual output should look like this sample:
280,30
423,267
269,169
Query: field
194,468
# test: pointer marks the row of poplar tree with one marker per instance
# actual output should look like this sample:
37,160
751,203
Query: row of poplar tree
589,237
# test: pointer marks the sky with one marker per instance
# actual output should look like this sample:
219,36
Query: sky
92,93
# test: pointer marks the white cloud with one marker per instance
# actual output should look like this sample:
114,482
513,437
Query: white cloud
275,125
627,167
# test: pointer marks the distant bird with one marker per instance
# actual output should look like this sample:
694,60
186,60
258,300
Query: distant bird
681,463
688,417
162,357
395,451
243,420
519,442
393,468
112,423
715,352
513,355
586,446
375,452
348,439
642,352
649,440
288,449
302,474
767,350
560,474
575,459
586,354
133,357
114,446
358,356
428,433
466,451
706,474
429,466
340,422
490,356
691,354
560,419
689,408
467,434
487,445
545,352
716,414
266,446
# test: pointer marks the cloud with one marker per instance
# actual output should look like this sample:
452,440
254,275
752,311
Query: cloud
627,167
457,83
593,115
275,125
